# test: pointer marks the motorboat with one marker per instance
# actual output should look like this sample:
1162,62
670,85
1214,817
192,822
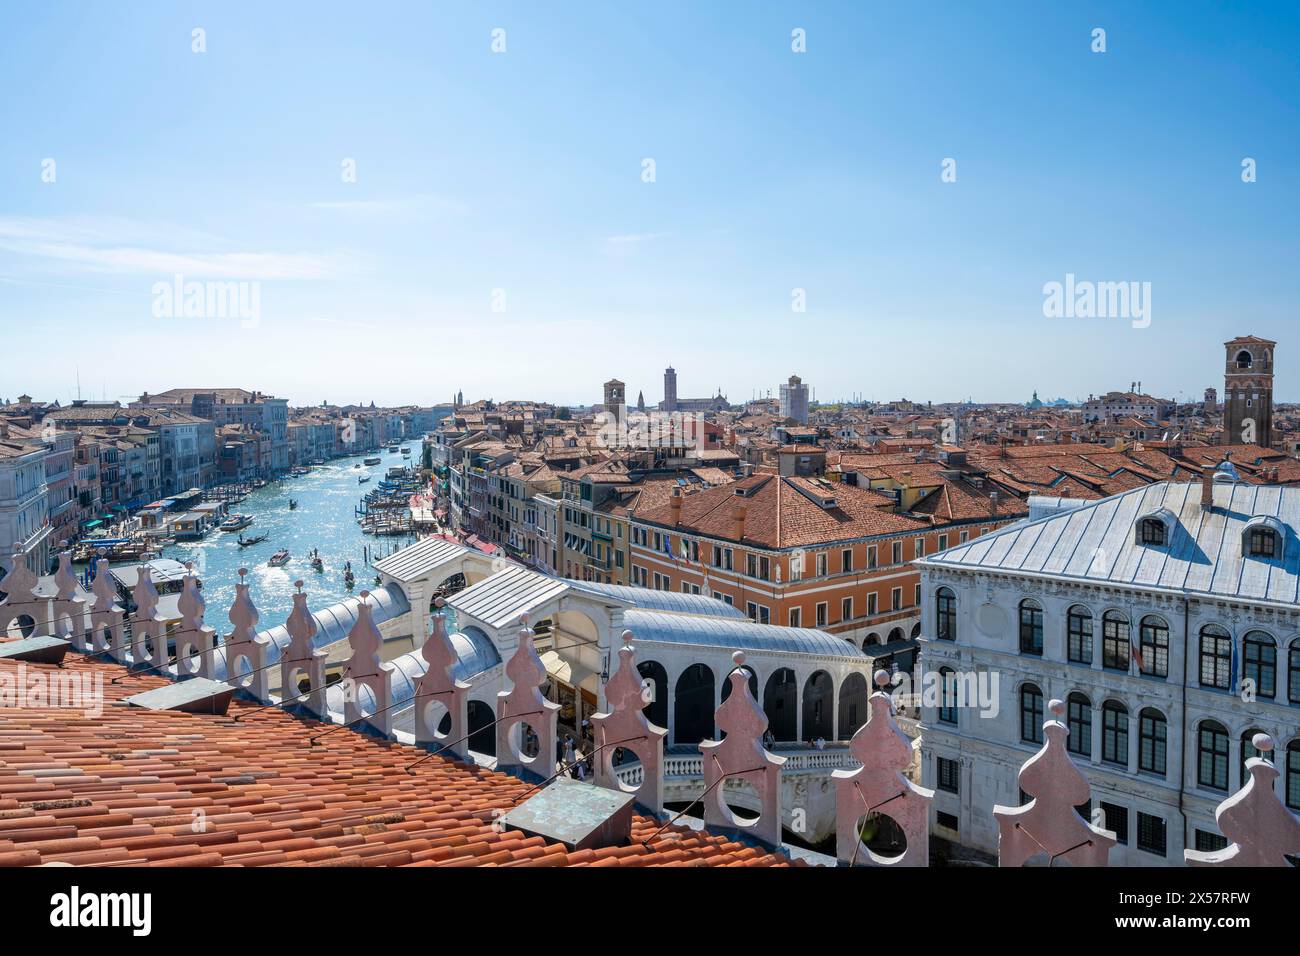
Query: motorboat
279,559
363,479
236,523
373,460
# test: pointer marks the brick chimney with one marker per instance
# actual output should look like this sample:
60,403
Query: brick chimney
675,503
1207,489
738,512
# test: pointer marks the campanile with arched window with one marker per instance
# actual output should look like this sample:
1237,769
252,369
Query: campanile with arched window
1248,391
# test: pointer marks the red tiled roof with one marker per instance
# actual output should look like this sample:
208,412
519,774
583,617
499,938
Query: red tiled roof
133,787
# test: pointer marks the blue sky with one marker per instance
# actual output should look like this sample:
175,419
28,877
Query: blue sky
522,172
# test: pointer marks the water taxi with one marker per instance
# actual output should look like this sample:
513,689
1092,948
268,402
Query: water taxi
236,523
373,460
279,559
363,479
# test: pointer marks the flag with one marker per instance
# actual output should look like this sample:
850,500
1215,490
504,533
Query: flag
1137,654
668,548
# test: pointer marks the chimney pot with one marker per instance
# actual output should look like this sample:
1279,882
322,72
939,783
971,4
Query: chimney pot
1207,489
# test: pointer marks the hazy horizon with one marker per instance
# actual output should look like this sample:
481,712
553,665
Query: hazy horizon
383,179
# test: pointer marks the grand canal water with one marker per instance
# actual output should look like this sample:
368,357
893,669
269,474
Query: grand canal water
324,519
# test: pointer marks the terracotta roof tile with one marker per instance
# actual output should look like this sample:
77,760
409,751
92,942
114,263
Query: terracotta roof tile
134,787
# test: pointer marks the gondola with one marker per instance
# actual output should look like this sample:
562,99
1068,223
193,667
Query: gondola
255,539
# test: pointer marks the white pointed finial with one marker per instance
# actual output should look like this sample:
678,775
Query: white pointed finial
1056,707
738,657
881,678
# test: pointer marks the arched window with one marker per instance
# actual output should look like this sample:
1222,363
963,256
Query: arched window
945,614
1078,717
947,695
1079,635
1115,641
1216,657
1293,775
1031,628
1114,733
1031,714
1259,663
1212,756
1154,642
1293,672
1262,542
1247,751
1152,531
1243,359
1153,733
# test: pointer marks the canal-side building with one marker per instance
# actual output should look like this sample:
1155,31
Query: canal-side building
24,506
1165,617
252,410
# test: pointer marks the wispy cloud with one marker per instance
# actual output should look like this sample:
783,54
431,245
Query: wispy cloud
418,204
120,246
634,237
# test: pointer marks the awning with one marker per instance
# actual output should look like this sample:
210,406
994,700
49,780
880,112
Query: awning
93,524
564,671
891,647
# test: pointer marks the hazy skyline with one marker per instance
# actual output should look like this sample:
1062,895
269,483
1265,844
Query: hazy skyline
521,172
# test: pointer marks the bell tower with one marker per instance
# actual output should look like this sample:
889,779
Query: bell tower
615,399
1248,391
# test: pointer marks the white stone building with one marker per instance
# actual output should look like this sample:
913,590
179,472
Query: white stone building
24,506
1166,618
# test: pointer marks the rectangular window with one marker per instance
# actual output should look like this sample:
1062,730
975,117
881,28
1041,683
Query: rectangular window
751,610
796,615
1208,842
846,560
821,565
1116,821
963,537
846,609
895,599
1151,833
871,556
943,542
949,774
821,614
920,547
946,820
898,552
871,603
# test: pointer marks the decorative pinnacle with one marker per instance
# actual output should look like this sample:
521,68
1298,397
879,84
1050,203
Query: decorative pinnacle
189,565
243,572
298,584
1056,707
1263,742
738,657
881,678
365,595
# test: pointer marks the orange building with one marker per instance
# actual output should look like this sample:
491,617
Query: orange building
804,551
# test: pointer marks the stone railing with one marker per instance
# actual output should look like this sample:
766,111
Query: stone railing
692,765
